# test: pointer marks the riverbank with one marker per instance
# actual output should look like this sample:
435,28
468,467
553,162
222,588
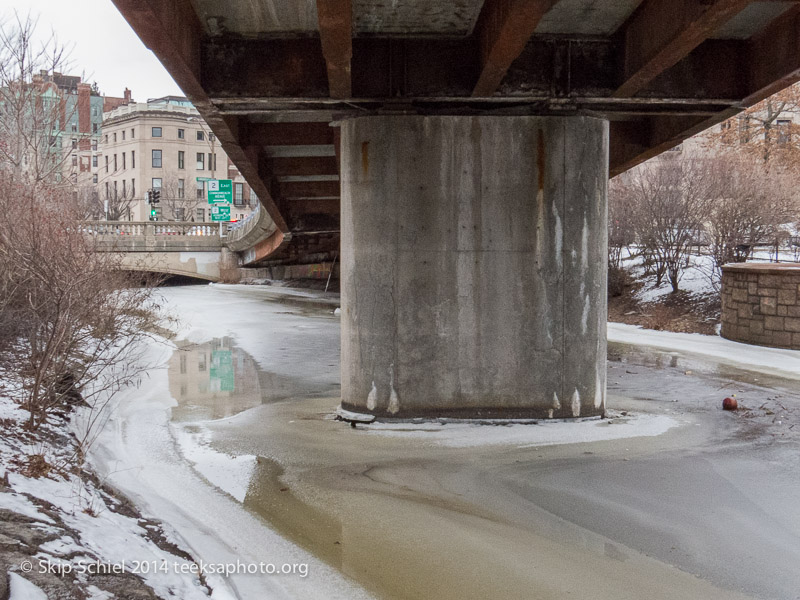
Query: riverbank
64,533
249,463
230,441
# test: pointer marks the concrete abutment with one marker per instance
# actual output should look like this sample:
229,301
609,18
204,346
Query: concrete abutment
473,266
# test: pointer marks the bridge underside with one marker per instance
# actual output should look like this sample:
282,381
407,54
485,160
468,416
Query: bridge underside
204,266
504,99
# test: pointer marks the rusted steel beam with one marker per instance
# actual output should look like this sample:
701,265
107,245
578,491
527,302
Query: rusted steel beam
320,206
287,134
304,165
171,29
336,34
632,143
502,30
662,32
234,67
287,190
774,57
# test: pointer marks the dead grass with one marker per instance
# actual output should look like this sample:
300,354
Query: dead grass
680,312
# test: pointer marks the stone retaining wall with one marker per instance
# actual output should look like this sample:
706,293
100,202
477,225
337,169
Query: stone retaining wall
761,304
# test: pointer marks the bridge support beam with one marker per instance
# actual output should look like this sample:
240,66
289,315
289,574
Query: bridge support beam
474,266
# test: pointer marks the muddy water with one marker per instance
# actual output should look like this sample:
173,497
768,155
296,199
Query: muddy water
707,510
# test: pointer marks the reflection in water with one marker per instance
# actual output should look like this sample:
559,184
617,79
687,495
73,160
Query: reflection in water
212,381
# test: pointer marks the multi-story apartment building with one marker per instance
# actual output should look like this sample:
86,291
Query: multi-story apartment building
164,144
71,110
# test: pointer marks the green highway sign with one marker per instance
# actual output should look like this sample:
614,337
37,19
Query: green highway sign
205,178
219,190
220,213
221,373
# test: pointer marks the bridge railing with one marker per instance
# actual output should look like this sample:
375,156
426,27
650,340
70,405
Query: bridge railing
150,228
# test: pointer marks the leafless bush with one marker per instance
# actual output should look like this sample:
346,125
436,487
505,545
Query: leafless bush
668,201
750,206
71,322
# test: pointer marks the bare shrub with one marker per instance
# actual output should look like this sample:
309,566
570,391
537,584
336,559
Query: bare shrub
71,321
669,201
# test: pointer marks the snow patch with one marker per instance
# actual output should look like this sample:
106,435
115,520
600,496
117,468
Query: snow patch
231,474
22,589
773,361
468,435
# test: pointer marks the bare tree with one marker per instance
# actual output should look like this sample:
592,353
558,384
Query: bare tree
766,131
670,200
33,109
179,202
71,320
621,224
750,204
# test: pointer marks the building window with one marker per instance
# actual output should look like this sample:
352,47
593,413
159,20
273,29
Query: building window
74,128
201,188
156,159
784,131
180,188
201,161
74,143
115,163
106,138
115,190
200,136
94,145
156,183
94,178
133,133
106,189
133,188
211,137
123,135
133,159
94,160
201,215
115,138
123,188
212,162
156,131
253,198
94,111
181,159
181,134
94,127
123,162
106,157
74,160
238,194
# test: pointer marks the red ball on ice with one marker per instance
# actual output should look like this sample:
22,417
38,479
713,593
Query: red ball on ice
730,404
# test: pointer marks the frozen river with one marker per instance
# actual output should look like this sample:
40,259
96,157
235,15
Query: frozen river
231,441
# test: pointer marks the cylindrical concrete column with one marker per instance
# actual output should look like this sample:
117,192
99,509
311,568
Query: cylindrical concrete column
473,266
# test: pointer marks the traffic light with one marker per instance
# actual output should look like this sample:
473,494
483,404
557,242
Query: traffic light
156,196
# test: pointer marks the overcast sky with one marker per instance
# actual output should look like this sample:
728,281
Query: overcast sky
104,47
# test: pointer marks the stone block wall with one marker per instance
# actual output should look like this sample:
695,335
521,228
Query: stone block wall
761,304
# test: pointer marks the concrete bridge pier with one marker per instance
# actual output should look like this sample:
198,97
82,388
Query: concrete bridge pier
473,266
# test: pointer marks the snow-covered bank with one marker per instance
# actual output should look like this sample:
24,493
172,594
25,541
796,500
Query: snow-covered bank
139,453
773,361
62,534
